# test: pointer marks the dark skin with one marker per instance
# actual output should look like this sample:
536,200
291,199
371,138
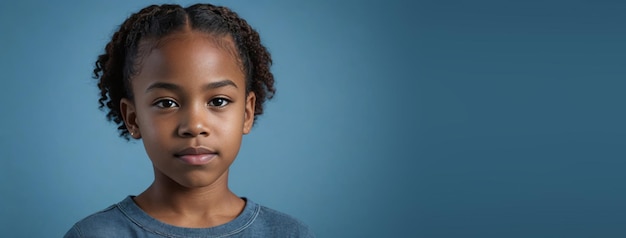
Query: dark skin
191,110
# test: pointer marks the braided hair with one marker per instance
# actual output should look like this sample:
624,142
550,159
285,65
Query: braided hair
123,54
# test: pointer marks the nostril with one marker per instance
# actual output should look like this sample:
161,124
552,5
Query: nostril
187,134
192,133
193,126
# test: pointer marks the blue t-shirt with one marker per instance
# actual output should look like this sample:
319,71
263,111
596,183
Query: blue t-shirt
126,219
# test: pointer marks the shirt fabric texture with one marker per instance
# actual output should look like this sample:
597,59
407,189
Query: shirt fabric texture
126,219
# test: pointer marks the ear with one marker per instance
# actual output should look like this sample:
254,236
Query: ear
248,119
129,114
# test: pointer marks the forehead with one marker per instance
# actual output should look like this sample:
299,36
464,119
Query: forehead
191,55
222,42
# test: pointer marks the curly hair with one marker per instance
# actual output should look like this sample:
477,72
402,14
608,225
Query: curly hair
123,54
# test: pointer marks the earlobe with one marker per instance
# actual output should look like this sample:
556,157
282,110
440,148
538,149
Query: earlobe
129,114
249,112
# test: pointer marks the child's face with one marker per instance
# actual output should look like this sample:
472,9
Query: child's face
190,108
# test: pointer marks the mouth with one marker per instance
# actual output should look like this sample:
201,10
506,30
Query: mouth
196,155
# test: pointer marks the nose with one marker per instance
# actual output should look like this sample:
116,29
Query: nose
193,122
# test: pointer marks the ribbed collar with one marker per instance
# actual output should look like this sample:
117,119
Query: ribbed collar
130,209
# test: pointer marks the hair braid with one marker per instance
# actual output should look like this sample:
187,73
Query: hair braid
123,54
109,68
262,79
255,57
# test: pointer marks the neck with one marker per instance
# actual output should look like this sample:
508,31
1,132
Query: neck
205,206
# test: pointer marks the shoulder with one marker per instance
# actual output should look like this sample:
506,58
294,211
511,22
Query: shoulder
280,224
110,222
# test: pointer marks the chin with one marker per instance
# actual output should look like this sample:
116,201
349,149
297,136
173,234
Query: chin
196,180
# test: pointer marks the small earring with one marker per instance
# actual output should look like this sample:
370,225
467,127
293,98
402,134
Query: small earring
132,133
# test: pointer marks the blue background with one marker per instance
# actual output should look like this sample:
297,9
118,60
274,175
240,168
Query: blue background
392,119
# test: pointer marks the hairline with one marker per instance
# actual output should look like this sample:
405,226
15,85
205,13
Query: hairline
224,41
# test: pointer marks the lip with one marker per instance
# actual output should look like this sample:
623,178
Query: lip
196,155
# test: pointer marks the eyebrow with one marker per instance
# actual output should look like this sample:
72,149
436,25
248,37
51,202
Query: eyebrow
174,87
219,84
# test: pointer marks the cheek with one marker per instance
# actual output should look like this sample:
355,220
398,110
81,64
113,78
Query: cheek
152,124
229,124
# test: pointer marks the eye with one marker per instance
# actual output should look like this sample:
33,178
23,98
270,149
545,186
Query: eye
219,102
166,103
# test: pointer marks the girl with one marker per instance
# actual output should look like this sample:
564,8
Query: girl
189,82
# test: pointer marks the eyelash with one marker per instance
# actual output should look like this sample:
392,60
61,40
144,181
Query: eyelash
224,102
171,103
160,104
